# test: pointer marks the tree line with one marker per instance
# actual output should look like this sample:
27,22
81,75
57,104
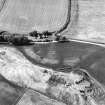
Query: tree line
45,34
17,39
22,39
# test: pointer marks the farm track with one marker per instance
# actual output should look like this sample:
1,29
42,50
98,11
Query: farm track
67,20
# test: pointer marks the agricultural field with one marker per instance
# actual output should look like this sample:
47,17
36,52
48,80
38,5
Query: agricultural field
27,15
53,73
88,21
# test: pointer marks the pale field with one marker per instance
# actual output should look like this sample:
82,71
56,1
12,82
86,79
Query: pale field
87,20
90,24
27,15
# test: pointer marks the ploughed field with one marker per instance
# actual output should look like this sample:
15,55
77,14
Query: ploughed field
27,15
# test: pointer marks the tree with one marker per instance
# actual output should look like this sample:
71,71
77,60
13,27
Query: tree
58,38
40,35
34,34
47,34
64,39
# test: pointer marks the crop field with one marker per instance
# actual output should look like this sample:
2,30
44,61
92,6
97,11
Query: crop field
27,15
88,22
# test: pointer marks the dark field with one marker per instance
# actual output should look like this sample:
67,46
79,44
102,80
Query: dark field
71,54
9,93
